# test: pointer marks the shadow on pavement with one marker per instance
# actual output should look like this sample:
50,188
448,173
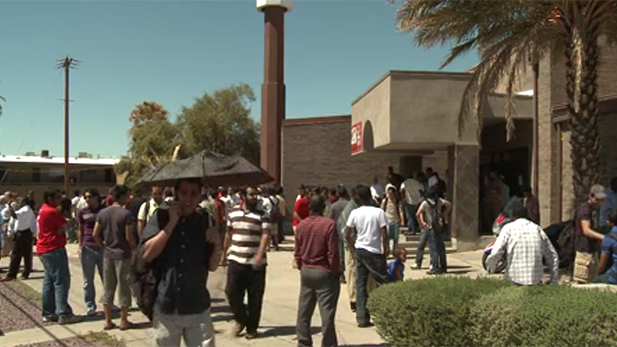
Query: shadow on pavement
460,267
223,318
285,330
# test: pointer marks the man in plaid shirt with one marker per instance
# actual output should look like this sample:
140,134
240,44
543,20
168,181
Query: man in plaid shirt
525,245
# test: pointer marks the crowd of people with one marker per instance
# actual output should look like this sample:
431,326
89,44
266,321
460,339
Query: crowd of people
340,236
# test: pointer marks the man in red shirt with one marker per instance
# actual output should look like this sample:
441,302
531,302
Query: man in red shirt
317,255
302,208
50,247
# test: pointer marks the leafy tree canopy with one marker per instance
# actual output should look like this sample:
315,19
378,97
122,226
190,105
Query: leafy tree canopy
219,122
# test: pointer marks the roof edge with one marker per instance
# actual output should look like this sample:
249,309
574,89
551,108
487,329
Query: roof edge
316,120
414,73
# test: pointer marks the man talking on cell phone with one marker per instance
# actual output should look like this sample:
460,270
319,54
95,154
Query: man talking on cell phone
246,244
183,246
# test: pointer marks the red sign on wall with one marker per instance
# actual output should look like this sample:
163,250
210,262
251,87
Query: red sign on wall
356,138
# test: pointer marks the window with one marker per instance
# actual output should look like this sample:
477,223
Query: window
36,174
109,176
56,174
88,175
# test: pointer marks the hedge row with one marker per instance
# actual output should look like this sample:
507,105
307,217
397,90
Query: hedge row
460,311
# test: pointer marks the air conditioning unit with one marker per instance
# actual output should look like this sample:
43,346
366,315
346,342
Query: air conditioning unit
30,154
84,155
45,153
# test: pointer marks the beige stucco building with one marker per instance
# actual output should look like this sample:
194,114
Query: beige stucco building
409,120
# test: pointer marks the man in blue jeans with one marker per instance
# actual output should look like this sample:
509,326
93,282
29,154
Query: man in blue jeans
50,247
91,255
370,248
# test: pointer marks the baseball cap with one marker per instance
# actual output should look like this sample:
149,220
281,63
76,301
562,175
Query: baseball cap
598,191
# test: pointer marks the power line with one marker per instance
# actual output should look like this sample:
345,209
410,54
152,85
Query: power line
67,64
35,118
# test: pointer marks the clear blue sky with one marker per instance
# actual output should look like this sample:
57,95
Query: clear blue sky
172,52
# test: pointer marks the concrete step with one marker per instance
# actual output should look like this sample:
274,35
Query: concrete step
413,241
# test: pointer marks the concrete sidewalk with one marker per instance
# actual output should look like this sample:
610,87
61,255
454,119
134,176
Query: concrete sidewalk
278,323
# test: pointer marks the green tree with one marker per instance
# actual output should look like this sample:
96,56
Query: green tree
506,34
145,112
152,143
221,122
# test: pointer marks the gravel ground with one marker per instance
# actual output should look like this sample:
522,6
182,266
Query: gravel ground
20,307
101,339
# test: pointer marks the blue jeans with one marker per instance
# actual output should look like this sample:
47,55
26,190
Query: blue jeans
91,259
410,216
56,283
424,237
437,248
393,233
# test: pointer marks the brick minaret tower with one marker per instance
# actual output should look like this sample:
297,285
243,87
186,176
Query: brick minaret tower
273,87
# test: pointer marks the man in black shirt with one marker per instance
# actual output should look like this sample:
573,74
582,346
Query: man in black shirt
587,238
182,245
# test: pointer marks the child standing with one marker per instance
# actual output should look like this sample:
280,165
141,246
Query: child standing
397,266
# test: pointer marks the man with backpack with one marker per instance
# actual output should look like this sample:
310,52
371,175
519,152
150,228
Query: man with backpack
180,246
432,215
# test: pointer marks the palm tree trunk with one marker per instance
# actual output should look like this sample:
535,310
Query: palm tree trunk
582,91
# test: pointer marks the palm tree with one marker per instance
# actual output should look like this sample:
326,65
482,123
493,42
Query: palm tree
506,34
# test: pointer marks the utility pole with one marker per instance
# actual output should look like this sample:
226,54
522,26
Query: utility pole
67,64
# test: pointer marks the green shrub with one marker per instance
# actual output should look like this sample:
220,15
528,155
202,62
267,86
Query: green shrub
545,316
428,312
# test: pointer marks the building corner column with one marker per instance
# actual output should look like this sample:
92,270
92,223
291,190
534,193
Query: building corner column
464,172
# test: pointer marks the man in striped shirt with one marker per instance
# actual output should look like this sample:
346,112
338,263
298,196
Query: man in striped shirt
246,245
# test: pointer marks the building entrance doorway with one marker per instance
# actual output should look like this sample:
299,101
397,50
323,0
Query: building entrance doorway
514,165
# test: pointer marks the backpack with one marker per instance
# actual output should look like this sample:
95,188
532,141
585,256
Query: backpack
146,275
276,216
437,222
564,244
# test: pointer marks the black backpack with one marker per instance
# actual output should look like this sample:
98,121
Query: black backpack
437,222
146,276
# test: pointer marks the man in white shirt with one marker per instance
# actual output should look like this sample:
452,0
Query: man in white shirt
432,178
411,190
25,230
525,245
370,248
148,208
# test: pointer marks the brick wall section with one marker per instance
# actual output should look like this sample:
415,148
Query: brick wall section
320,154
438,161
608,164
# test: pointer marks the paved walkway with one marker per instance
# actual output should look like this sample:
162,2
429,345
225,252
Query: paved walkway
278,321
